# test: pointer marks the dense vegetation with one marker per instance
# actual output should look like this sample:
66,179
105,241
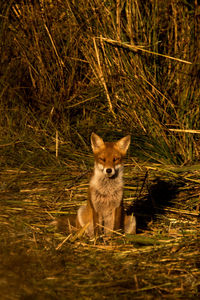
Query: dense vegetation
113,67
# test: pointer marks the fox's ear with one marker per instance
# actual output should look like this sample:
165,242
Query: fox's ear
123,144
96,142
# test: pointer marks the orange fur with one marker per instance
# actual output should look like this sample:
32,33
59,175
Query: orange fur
105,200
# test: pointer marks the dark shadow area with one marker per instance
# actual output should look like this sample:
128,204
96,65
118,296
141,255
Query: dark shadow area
161,194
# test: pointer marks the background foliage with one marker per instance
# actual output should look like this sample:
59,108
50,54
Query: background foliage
113,67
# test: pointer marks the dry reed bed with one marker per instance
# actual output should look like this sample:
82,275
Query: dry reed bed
162,260
127,65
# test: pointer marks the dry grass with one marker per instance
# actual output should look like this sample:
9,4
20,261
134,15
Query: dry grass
39,262
131,67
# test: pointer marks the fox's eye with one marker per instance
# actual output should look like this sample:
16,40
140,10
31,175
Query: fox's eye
115,159
102,159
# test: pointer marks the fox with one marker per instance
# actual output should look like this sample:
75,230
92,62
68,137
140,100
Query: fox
104,211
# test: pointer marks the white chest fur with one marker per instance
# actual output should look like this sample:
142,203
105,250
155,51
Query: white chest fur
106,193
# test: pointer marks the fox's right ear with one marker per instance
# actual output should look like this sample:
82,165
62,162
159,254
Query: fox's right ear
96,142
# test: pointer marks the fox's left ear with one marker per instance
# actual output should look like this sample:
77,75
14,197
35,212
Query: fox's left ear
123,144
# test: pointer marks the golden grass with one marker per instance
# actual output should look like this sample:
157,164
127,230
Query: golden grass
162,260
137,48
70,67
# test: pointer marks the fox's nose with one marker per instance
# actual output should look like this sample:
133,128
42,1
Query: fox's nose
109,170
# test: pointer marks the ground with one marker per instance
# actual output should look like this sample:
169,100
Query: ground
40,262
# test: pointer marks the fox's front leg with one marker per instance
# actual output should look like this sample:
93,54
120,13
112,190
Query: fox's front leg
118,218
95,222
112,221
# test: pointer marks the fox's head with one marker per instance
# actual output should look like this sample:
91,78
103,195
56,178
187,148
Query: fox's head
109,155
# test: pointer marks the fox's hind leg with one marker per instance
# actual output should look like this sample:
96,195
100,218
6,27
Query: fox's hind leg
130,224
84,217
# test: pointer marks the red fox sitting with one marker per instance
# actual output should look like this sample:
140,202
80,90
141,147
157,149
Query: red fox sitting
105,202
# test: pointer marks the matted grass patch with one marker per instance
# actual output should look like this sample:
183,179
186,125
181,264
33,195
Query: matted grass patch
39,262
